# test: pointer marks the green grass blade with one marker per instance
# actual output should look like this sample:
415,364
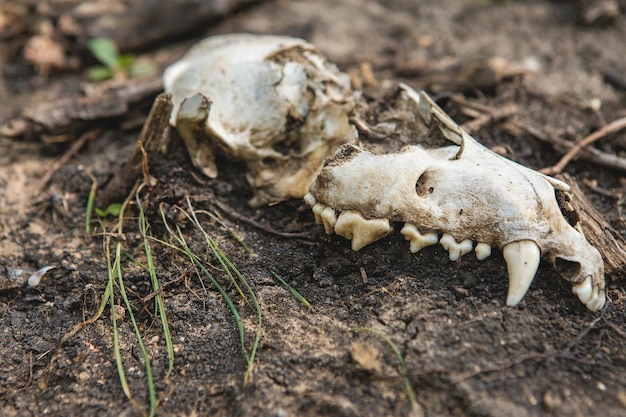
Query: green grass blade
293,291
159,304
144,352
228,267
257,309
112,268
403,369
90,202
184,248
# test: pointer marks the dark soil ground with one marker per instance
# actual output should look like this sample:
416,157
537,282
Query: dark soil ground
466,353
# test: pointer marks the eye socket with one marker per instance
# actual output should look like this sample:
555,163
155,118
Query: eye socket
422,186
568,269
269,162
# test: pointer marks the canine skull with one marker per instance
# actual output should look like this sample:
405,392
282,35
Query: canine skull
271,101
454,191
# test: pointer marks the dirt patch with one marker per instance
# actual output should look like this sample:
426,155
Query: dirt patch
466,353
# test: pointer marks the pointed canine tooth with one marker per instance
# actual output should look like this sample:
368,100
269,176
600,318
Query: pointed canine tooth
597,299
583,290
455,250
351,225
329,218
418,240
309,199
599,302
483,251
522,260
590,295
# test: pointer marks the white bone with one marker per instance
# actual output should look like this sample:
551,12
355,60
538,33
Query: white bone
483,251
352,225
273,102
453,186
522,260
418,241
455,249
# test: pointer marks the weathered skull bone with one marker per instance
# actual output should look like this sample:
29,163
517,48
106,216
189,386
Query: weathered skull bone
457,189
273,102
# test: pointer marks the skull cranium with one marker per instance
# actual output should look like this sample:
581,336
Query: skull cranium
272,101
454,191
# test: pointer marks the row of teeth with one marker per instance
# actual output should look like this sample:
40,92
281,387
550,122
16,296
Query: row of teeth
521,257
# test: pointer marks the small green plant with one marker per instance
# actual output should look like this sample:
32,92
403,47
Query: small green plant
105,51
111,210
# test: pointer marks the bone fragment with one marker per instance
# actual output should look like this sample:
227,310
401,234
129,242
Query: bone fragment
277,104
36,277
192,117
455,249
352,225
418,240
522,260
483,251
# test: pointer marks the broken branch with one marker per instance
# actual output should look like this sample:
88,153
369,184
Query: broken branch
595,136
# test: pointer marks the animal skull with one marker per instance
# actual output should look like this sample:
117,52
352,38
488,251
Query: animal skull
454,191
272,101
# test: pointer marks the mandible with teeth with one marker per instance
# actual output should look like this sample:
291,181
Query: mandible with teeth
461,195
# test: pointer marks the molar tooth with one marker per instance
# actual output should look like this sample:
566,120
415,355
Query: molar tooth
522,260
351,225
309,199
455,250
418,240
329,218
483,251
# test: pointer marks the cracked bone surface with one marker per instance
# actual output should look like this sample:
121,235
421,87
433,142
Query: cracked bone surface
273,102
448,184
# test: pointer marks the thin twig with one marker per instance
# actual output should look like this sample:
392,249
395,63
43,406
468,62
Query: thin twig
363,127
180,277
592,155
501,367
584,333
492,116
598,134
616,329
231,213
64,159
